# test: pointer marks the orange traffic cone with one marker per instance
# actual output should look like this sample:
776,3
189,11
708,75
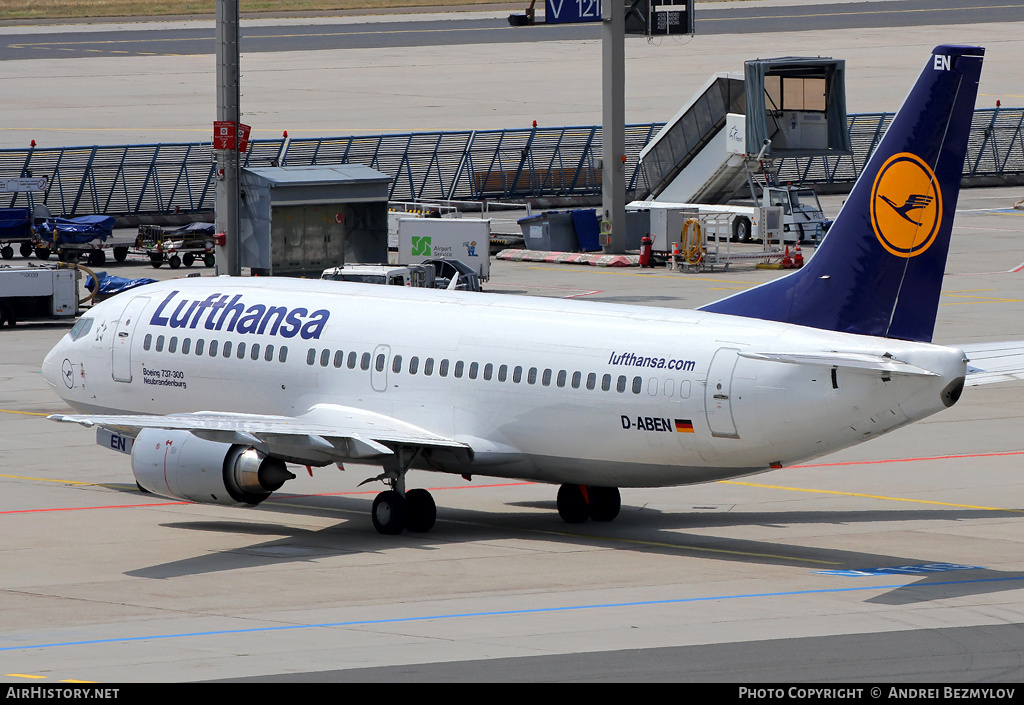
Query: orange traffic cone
787,263
798,256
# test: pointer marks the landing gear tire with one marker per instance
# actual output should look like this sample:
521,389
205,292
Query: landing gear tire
390,513
422,512
572,504
604,503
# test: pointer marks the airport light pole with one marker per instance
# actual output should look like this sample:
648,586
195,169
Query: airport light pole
228,110
613,128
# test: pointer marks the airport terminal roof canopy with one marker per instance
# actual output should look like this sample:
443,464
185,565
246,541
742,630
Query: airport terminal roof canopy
792,89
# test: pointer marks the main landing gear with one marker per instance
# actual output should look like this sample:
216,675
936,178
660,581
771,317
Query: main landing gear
394,509
577,503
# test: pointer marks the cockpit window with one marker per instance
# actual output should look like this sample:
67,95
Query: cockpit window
81,328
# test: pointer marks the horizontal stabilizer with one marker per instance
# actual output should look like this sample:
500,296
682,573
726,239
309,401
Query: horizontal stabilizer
845,360
988,363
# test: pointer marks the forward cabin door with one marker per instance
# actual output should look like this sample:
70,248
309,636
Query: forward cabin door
121,347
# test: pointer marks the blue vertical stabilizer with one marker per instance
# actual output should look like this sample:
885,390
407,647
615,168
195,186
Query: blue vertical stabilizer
879,270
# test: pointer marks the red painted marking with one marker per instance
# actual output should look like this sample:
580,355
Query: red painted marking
912,460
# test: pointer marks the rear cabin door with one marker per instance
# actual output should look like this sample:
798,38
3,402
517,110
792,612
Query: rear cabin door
718,394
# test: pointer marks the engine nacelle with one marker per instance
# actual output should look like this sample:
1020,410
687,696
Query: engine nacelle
178,465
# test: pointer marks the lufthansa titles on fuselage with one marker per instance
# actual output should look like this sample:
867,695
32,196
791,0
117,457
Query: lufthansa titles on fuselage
660,363
237,316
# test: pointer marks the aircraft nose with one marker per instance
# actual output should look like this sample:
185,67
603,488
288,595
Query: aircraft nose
50,369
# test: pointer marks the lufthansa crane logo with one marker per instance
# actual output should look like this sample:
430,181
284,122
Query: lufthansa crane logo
906,205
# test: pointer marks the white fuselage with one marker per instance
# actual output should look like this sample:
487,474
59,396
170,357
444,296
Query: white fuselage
550,390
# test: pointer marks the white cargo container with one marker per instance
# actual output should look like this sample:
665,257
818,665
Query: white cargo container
37,292
465,239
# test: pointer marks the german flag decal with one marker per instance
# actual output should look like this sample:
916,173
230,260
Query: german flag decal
684,426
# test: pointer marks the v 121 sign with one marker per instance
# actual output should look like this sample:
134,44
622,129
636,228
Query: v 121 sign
559,11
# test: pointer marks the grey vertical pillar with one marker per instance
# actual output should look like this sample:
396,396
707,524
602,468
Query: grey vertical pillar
613,130
228,99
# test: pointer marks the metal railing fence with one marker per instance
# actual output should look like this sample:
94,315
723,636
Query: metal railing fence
434,166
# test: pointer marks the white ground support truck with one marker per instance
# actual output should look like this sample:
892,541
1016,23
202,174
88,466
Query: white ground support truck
37,292
465,239
802,217
392,275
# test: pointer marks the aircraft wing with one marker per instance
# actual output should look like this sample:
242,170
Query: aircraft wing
328,433
994,362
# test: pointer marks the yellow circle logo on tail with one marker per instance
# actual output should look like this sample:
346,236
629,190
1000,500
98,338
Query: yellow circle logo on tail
906,205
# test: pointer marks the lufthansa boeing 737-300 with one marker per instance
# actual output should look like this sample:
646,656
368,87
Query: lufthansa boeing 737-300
214,384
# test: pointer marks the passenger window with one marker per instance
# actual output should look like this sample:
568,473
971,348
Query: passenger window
459,366
474,369
428,366
577,378
414,364
364,361
268,354
517,374
620,384
213,348
503,373
283,355
638,384
606,383
339,358
226,349
488,372
396,364
325,355
160,343
546,379
146,342
670,387
185,345
380,362
200,345
310,356
254,354
684,389
561,378
352,360
652,386
443,371
172,345
591,381
240,352
531,376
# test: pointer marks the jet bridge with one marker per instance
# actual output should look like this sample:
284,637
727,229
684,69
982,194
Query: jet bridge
776,108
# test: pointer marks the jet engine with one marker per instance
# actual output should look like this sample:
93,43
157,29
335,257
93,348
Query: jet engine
178,465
